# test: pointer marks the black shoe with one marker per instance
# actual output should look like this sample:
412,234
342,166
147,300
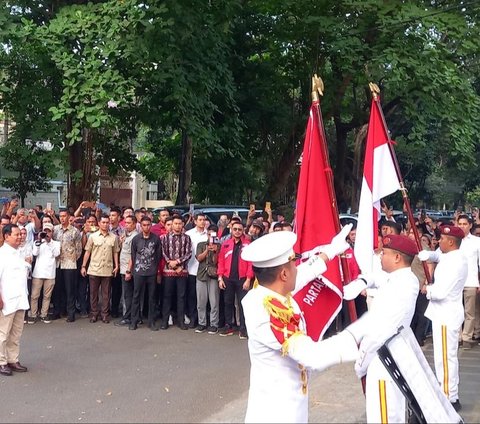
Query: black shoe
164,326
456,405
5,370
132,326
183,327
54,317
192,324
114,315
153,327
70,319
200,329
140,322
212,330
122,322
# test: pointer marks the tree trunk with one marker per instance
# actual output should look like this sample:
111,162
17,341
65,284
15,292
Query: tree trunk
341,155
185,172
280,174
357,173
83,176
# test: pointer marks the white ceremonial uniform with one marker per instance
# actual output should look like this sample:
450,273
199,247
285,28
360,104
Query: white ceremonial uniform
392,307
378,277
446,312
277,382
470,247
281,354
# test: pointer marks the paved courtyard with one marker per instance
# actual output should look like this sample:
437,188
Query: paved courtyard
84,372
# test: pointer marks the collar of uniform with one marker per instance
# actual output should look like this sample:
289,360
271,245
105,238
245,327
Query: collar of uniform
265,291
401,271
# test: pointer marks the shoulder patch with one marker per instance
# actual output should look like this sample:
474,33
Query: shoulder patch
284,322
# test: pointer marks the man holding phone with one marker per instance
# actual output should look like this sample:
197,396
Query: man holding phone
207,285
197,235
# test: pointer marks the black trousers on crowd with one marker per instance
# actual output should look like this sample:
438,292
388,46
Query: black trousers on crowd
139,281
172,285
234,288
127,290
191,298
115,309
64,294
419,321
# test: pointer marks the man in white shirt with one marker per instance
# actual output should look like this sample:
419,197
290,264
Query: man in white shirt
470,247
46,250
392,307
281,353
445,308
13,300
197,234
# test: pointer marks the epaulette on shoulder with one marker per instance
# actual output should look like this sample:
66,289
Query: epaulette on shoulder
284,322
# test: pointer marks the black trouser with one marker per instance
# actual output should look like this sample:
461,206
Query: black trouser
191,298
419,322
139,281
83,297
221,309
173,285
127,290
234,287
59,297
116,297
66,296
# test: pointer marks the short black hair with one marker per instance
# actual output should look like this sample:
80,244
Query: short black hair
267,275
177,217
132,217
145,218
116,209
104,216
63,210
7,229
407,258
395,226
196,215
465,216
212,227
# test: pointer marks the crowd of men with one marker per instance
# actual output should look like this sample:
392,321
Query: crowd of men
191,272
122,266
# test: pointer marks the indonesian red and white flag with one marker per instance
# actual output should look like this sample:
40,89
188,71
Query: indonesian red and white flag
321,299
379,180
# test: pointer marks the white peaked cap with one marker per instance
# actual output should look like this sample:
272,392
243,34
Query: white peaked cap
270,250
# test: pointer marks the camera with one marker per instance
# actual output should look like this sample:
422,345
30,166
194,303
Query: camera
43,235
213,238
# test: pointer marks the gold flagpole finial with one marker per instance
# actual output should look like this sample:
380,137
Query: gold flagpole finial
374,89
317,87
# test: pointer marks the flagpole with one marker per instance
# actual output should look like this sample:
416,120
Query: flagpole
317,90
406,201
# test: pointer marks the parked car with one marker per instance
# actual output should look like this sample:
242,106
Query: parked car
213,212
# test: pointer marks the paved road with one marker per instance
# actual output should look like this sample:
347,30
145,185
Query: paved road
84,372
101,373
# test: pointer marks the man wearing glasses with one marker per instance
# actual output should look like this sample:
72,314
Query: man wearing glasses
234,276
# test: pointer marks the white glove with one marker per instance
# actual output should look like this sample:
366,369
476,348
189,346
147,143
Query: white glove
309,270
353,289
338,244
424,255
